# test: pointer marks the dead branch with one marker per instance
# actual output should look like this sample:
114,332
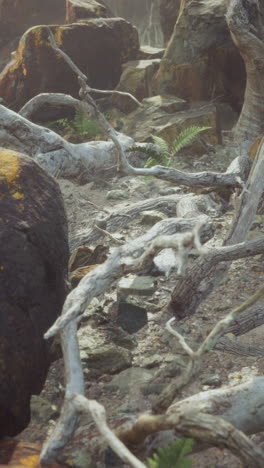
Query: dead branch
201,427
97,411
54,99
205,273
165,399
93,284
117,265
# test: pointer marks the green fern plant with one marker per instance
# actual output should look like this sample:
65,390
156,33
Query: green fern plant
173,456
167,152
84,126
80,125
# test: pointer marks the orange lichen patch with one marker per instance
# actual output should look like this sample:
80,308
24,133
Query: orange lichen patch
78,274
10,174
22,455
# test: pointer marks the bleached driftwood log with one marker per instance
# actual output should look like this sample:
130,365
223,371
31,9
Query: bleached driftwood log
168,204
95,283
99,158
206,273
59,157
231,404
204,428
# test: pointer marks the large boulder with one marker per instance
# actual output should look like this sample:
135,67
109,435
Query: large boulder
135,79
201,62
17,16
33,271
97,46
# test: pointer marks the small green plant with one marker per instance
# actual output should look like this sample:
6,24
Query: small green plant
80,125
173,456
84,126
167,152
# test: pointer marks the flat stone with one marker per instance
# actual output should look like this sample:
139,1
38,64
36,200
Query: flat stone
42,409
109,359
138,285
131,317
213,380
152,217
81,459
117,195
131,379
167,103
170,190
152,361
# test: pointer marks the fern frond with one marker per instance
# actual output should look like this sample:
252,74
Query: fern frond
173,456
186,137
163,145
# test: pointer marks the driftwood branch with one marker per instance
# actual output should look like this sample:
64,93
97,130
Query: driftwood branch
165,399
97,411
118,264
206,273
201,427
93,284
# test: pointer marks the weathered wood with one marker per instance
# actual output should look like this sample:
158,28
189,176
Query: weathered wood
245,21
229,346
208,429
229,402
207,273
119,219
248,321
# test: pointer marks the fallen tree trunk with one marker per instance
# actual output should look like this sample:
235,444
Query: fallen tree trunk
167,204
246,414
86,161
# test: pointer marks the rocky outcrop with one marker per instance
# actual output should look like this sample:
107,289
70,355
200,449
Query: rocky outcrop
33,271
169,10
167,116
201,63
97,46
135,79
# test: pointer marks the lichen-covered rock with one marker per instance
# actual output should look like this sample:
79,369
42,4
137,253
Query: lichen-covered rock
17,16
22,454
33,269
135,79
201,62
97,46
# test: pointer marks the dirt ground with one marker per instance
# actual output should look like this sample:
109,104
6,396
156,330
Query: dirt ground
244,277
